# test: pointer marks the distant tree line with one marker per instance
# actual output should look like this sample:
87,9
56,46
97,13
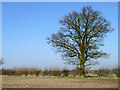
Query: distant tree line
57,72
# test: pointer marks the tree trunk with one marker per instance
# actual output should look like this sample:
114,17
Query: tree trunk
82,64
82,69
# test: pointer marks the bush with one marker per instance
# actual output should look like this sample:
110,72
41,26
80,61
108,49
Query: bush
116,71
46,72
55,71
65,72
102,72
73,72
34,71
22,71
77,70
9,72
19,73
37,72
52,72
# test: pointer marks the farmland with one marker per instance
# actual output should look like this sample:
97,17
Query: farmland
56,78
57,82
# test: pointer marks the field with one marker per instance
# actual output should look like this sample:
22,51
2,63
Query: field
57,82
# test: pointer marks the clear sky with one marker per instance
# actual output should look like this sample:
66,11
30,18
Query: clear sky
26,25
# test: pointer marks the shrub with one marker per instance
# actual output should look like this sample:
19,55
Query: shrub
37,72
9,72
102,72
52,72
73,72
77,70
116,71
33,71
65,72
21,71
46,72
55,71
18,73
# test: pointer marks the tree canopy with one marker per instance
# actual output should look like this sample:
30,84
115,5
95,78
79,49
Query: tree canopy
80,37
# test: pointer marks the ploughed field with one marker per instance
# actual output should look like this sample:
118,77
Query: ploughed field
57,82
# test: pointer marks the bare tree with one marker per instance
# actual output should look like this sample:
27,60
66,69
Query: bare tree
80,37
1,61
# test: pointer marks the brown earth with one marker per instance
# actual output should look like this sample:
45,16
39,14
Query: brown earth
38,82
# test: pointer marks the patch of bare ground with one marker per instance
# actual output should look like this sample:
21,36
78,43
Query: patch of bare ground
33,82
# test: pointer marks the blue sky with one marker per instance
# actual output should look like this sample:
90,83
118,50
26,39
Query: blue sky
26,25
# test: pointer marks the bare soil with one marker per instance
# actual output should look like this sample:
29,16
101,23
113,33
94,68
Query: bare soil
38,82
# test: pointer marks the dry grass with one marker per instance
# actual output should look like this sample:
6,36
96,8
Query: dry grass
33,82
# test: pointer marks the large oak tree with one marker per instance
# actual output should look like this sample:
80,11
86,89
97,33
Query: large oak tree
80,37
